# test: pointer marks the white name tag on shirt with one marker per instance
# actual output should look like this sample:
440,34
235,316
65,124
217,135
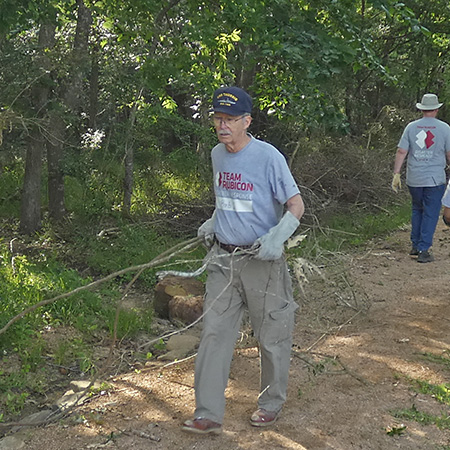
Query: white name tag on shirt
234,204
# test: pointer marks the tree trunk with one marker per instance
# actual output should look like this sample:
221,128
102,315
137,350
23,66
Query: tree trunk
55,159
30,213
79,59
93,89
72,100
128,181
204,150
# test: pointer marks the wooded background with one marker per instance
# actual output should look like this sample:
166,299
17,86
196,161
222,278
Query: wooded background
104,104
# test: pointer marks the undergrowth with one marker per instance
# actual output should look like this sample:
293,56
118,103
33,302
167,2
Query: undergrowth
56,262
344,232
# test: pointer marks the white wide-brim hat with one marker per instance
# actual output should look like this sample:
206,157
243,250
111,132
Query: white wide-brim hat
429,103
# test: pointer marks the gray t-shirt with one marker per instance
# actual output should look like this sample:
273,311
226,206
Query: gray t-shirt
427,140
251,187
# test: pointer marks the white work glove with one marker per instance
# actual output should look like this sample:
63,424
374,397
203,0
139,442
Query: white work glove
396,182
271,245
206,231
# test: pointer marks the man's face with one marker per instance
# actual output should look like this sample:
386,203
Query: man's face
231,129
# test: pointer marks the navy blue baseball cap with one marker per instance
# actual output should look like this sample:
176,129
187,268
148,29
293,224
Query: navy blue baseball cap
232,100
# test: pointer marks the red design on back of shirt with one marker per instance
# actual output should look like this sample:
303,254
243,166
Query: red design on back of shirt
429,139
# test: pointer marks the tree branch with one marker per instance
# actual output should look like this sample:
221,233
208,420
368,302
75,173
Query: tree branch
163,257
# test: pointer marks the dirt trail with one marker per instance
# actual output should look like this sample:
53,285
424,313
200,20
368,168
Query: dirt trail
342,391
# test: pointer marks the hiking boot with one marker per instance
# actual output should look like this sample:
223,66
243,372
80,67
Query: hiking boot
201,425
414,251
425,257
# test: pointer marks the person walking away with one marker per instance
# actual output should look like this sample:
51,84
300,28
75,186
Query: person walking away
426,144
247,267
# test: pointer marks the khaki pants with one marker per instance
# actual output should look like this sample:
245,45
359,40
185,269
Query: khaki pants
264,288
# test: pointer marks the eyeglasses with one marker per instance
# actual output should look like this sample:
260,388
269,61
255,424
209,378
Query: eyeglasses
228,121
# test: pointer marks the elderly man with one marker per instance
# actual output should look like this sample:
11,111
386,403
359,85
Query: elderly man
426,142
247,268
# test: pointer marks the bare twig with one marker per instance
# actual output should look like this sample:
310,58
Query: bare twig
334,329
163,257
345,369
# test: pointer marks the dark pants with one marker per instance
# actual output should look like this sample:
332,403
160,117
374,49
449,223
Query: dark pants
426,208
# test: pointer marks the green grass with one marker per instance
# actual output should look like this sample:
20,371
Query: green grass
25,281
440,393
442,421
343,232
440,359
38,275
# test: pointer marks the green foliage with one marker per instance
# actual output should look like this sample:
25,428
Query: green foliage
25,283
10,184
131,245
166,167
14,402
27,279
31,354
21,374
160,345
396,430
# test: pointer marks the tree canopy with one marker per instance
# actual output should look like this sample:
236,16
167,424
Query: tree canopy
93,91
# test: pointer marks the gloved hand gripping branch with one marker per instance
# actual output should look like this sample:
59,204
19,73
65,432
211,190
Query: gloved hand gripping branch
206,231
271,245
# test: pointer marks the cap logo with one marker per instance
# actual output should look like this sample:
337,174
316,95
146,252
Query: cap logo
226,99
223,94
232,100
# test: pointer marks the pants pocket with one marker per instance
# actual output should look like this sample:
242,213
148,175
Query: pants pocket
278,324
